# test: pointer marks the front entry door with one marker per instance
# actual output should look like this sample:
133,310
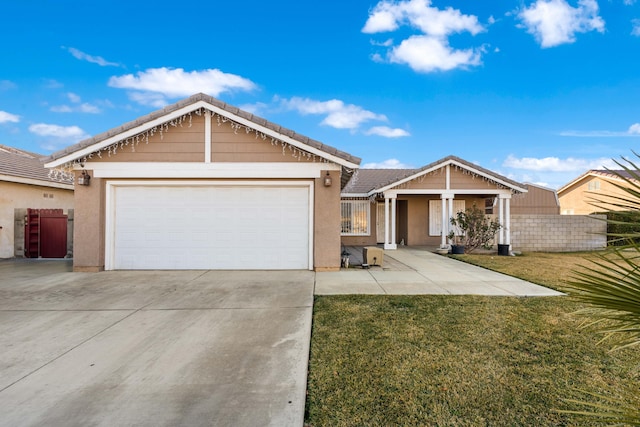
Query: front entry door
380,223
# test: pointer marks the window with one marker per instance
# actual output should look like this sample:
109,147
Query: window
354,217
435,215
594,185
489,204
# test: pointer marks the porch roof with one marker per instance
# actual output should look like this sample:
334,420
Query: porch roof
368,182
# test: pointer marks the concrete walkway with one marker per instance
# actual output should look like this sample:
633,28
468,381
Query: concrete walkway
426,273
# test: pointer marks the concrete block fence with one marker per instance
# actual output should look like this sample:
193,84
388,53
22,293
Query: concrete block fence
558,233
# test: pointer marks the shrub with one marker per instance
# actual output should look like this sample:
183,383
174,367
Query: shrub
474,229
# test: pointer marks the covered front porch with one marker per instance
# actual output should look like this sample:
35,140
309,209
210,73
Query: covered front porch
442,205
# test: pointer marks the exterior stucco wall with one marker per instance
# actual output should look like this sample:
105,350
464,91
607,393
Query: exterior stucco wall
89,220
326,253
558,233
23,196
575,199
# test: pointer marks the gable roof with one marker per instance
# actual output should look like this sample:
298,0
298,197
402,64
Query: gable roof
610,174
194,103
27,168
367,182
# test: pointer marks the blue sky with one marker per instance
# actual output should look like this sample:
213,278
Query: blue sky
539,91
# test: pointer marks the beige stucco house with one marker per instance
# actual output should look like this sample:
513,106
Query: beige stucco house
25,184
413,206
204,185
577,196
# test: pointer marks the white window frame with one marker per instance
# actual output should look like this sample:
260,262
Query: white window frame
594,185
435,215
362,207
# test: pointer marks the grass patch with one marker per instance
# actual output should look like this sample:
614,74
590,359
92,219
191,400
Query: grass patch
458,360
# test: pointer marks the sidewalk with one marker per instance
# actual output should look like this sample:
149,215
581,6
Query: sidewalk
425,273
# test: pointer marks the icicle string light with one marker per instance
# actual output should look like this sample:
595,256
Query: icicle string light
65,172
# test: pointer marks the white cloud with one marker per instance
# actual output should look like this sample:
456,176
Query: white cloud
555,22
635,31
7,84
155,85
387,164
555,164
81,108
389,15
78,54
256,108
429,51
8,117
52,84
427,54
61,109
73,97
151,99
73,133
633,131
338,114
386,43
387,132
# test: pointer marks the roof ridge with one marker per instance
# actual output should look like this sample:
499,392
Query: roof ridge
20,152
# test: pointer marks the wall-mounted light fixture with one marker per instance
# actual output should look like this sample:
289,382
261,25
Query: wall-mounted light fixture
84,178
327,180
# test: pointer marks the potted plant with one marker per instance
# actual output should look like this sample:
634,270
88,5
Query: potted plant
456,242
472,229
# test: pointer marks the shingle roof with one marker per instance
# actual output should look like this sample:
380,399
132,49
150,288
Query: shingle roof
217,103
366,180
24,164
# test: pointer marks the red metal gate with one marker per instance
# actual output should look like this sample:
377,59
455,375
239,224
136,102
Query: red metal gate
45,233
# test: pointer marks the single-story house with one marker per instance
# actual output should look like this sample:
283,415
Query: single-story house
30,196
576,197
203,185
413,206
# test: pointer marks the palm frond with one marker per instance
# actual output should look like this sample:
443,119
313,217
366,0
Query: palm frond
610,288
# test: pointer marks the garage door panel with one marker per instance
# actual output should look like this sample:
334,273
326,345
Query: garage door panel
211,227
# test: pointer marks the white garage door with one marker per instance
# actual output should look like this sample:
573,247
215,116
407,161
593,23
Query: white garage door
210,227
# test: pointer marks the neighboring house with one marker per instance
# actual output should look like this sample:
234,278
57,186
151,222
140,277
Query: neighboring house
204,185
413,206
577,196
25,184
538,200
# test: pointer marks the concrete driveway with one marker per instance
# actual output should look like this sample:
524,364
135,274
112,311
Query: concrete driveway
152,348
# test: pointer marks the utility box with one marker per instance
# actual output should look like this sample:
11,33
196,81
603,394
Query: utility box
372,255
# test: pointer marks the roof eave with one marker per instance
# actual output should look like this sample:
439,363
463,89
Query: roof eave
38,182
194,103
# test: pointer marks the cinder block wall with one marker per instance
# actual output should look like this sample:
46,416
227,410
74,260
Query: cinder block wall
558,233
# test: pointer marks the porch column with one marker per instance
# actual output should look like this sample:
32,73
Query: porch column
507,219
447,213
386,221
444,225
393,222
390,229
501,218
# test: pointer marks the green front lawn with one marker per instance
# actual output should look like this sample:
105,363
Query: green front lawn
457,360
